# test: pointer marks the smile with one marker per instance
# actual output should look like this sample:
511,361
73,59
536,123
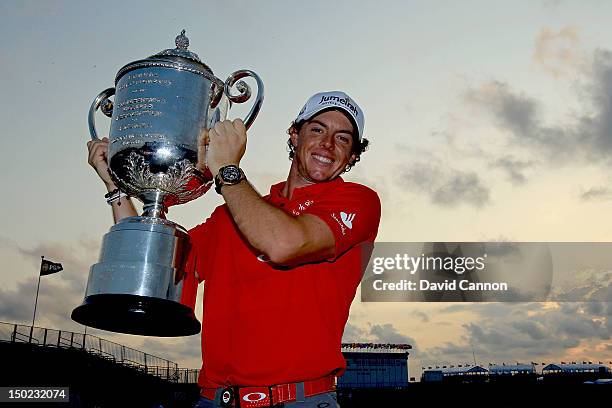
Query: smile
322,159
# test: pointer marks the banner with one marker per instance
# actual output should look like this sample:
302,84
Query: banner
48,267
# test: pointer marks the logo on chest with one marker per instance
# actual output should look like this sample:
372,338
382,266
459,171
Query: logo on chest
345,221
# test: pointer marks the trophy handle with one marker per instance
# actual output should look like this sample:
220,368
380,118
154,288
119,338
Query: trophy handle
245,93
101,102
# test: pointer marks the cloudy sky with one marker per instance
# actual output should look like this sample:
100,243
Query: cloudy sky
487,120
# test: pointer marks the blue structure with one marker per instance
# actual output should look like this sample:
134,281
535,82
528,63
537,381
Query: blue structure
375,366
432,375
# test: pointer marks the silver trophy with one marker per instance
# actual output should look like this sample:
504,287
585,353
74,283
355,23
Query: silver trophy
161,105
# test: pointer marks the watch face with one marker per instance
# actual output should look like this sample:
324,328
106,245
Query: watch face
230,174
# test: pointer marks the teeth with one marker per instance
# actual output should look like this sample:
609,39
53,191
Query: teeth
322,159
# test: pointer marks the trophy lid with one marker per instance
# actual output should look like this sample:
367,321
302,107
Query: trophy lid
182,42
177,58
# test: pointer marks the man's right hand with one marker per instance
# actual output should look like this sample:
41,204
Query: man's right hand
98,159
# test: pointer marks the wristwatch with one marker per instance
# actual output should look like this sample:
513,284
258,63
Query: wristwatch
228,176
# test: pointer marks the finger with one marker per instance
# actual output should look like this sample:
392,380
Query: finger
203,138
239,125
98,150
92,147
101,147
230,129
218,128
212,135
89,154
201,164
230,132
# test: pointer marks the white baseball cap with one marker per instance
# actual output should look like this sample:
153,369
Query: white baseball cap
333,99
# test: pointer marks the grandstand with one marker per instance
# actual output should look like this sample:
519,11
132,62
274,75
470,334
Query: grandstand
517,373
98,372
512,373
575,372
459,374
372,365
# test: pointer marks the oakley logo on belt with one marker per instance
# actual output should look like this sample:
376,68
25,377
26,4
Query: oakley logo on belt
226,397
254,397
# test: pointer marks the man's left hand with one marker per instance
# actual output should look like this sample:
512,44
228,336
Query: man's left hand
222,145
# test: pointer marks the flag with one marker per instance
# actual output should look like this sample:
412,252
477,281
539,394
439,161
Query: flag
48,267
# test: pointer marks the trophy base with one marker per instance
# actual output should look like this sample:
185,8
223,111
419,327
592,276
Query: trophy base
133,314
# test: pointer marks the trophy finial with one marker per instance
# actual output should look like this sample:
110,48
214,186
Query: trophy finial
181,41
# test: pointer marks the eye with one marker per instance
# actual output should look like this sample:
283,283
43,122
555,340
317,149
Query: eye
344,139
316,129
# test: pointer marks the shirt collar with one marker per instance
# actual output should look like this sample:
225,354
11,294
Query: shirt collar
276,190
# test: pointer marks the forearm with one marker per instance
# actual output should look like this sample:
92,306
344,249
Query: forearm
122,208
267,228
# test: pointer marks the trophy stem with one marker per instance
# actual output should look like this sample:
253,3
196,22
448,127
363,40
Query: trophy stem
154,204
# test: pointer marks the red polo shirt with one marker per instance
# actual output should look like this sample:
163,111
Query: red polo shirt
264,325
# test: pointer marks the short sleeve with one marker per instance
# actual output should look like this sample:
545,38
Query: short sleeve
352,212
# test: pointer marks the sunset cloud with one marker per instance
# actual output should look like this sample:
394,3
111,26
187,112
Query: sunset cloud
559,53
444,186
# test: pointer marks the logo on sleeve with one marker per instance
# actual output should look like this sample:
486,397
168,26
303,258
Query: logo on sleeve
347,219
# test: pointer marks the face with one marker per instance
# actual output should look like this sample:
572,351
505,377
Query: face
323,147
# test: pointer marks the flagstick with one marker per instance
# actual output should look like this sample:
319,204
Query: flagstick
473,354
37,289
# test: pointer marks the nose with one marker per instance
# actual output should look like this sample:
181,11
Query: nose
327,141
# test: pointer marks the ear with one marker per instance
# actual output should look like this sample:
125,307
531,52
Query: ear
353,159
293,135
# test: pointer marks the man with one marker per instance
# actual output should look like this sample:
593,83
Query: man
280,271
